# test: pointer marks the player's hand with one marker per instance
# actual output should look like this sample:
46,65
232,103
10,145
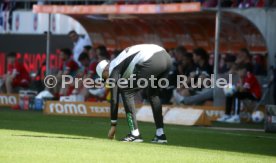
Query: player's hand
111,133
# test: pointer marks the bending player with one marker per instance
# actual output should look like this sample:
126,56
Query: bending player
143,61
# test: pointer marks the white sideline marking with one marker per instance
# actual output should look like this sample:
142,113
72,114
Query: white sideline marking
224,133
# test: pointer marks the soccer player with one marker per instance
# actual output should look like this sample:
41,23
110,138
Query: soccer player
143,61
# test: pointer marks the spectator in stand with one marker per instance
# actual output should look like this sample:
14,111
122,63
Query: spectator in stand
68,67
79,44
246,3
17,76
226,3
247,88
210,3
243,58
41,2
260,3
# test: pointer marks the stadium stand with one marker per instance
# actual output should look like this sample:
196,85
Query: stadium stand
21,4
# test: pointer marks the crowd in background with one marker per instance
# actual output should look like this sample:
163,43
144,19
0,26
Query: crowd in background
81,60
12,4
199,65
205,3
8,6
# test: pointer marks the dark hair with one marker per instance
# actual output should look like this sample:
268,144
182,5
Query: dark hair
246,51
117,52
202,53
102,47
83,56
242,66
87,47
230,58
103,51
11,55
71,32
66,51
181,49
189,56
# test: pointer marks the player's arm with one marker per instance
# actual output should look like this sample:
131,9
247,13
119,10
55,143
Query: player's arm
114,101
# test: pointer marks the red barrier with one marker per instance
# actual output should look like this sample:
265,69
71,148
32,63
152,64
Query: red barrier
32,62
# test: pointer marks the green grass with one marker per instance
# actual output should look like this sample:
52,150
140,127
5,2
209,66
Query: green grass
27,136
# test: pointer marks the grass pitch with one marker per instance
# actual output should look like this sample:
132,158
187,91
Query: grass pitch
27,136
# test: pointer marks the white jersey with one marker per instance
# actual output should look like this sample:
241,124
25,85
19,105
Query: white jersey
79,47
142,53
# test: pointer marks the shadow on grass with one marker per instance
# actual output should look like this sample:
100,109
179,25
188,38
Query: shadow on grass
181,136
53,137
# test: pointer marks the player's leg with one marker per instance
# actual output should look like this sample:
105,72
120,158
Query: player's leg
237,97
158,66
228,105
155,102
161,64
241,96
10,83
129,104
228,108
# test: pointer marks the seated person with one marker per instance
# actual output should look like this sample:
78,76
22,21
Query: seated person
244,58
87,48
93,58
89,65
68,67
89,72
199,93
228,65
102,53
186,66
17,75
247,88
194,96
182,65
